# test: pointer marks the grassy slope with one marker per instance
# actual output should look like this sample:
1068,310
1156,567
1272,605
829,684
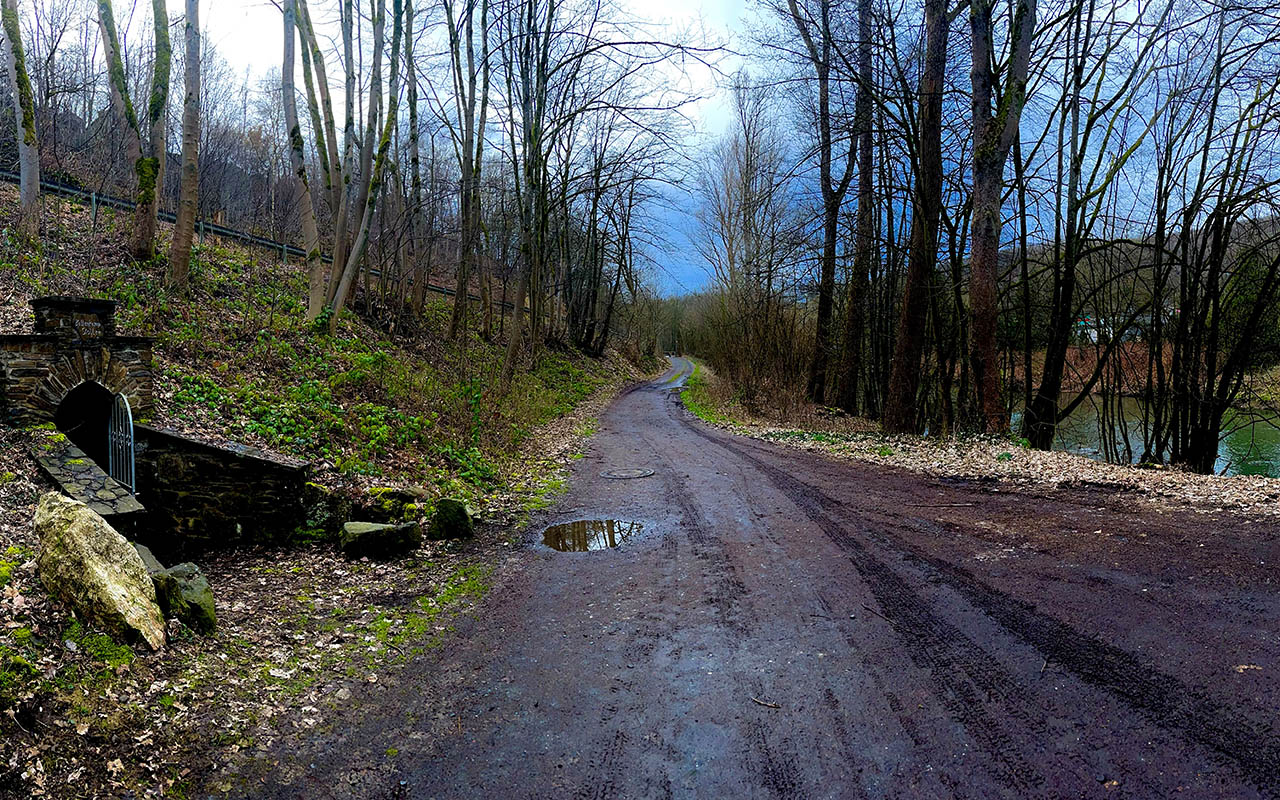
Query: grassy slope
237,362
301,630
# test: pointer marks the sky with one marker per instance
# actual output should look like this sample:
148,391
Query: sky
248,33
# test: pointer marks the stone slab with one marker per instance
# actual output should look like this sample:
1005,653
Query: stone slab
81,479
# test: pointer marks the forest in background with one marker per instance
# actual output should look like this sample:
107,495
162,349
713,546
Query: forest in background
512,151
975,208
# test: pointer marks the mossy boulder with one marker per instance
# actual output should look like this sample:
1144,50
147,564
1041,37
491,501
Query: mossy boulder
86,564
452,520
184,594
327,511
379,540
391,505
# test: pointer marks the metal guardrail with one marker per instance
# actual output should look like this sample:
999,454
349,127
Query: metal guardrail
212,228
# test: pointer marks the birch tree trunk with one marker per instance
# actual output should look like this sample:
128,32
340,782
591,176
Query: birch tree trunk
24,111
297,161
188,201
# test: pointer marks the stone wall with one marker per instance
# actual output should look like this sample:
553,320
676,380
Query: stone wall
74,342
36,373
203,497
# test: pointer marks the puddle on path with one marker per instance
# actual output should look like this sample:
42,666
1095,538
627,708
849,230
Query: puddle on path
590,534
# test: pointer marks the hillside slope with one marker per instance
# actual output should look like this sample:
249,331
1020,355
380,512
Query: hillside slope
298,627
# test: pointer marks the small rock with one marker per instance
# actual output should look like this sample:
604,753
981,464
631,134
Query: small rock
379,540
184,593
86,564
149,560
452,520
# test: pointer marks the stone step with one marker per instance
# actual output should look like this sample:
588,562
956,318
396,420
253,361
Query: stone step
80,478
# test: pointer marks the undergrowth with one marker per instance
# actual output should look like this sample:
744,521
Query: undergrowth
239,360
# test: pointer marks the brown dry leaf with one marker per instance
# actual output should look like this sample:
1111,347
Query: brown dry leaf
1243,668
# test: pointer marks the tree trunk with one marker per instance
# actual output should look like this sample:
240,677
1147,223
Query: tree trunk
864,234
993,136
120,89
833,192
471,103
297,160
151,167
24,112
374,188
900,415
188,202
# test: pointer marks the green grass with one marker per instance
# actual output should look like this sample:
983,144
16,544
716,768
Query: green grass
240,354
14,555
696,397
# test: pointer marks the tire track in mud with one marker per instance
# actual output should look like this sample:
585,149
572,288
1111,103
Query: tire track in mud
1231,733
727,586
726,590
967,682
607,765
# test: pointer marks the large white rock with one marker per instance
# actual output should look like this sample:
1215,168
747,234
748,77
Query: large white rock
84,563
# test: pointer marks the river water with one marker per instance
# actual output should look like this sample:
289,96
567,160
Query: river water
1251,447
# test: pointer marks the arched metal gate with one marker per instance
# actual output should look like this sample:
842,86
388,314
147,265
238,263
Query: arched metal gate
120,443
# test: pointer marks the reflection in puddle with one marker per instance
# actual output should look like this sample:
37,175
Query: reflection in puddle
589,534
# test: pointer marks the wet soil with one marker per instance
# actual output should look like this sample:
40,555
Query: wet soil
793,626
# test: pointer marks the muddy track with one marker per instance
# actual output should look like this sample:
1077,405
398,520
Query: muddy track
791,626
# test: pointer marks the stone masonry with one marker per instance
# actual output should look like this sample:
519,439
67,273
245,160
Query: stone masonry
74,341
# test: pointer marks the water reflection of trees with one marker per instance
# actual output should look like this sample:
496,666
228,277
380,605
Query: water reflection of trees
590,534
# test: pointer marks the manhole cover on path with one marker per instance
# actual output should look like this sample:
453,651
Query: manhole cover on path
589,534
623,474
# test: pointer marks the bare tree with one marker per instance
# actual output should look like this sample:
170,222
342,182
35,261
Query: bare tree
900,415
864,232
994,134
470,111
372,188
297,160
820,43
24,114
189,199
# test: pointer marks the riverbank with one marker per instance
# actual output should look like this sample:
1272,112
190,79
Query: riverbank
979,458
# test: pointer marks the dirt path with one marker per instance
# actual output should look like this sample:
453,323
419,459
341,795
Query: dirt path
790,626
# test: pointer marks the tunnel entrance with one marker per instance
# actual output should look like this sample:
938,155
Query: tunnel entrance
83,416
